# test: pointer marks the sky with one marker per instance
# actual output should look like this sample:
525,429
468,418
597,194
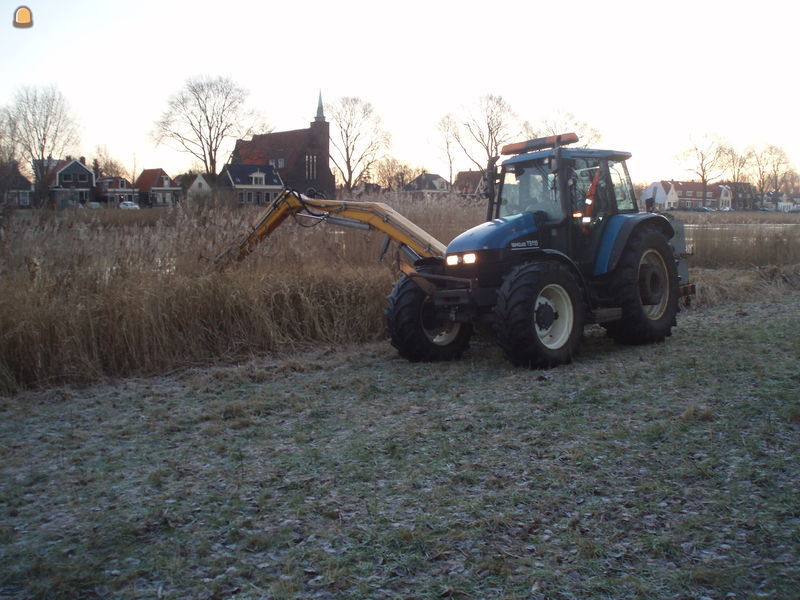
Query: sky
651,76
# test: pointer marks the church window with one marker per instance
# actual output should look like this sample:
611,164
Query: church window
311,167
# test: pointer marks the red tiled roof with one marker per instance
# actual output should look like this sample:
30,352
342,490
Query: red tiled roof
149,179
53,173
281,144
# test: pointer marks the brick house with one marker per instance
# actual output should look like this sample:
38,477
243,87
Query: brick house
71,183
156,188
113,190
17,190
469,184
251,184
301,157
744,195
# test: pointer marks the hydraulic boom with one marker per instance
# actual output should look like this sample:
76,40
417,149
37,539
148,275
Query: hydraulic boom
375,216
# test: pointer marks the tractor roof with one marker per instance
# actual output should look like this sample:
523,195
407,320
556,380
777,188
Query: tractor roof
569,153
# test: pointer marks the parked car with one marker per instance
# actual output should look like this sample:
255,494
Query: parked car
94,205
128,205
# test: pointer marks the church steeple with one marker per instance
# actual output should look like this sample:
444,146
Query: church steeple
320,118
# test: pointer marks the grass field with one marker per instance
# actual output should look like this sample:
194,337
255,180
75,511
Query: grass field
664,471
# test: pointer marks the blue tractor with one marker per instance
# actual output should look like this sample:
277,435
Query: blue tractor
564,245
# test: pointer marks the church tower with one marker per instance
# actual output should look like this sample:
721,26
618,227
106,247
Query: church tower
319,167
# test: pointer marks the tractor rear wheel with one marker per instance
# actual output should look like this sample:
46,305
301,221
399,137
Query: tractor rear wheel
540,315
416,332
645,285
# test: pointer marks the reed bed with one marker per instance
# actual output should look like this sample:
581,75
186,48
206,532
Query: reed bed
91,294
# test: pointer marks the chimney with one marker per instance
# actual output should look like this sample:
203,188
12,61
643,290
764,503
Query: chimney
82,160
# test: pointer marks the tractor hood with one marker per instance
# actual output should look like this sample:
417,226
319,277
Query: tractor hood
505,232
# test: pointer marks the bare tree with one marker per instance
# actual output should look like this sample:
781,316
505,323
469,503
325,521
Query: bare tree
358,139
778,165
735,165
133,174
483,129
447,127
704,159
391,174
769,168
564,122
44,129
791,183
205,114
106,165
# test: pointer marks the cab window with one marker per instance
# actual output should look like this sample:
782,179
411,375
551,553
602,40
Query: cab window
530,187
589,189
622,188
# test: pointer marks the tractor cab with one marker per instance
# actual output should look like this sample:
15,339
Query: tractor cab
571,193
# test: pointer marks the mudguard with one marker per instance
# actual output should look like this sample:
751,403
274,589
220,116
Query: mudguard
616,235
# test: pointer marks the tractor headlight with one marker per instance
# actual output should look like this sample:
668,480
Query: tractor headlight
468,258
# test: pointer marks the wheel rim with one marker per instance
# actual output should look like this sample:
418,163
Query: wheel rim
653,284
553,316
440,333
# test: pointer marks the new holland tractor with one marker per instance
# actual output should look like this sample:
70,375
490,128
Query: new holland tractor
564,245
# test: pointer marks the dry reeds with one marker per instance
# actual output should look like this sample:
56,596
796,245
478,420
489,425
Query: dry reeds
90,294
743,245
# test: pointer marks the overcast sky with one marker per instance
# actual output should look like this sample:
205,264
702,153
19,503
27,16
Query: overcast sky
647,75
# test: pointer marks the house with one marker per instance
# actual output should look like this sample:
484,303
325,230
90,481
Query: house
300,157
690,195
252,184
113,190
194,186
70,182
469,184
658,196
687,195
16,188
743,195
156,188
427,185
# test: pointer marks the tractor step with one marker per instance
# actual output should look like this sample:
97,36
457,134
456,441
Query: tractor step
604,315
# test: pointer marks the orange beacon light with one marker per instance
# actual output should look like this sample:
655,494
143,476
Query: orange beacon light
23,17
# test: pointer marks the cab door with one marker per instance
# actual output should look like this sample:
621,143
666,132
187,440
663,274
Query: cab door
591,190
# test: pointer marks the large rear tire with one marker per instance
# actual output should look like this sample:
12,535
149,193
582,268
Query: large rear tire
416,332
645,285
540,315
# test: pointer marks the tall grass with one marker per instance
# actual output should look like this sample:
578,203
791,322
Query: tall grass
743,245
90,294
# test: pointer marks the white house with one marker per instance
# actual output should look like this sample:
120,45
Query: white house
194,186
661,195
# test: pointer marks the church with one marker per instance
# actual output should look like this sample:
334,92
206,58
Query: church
301,157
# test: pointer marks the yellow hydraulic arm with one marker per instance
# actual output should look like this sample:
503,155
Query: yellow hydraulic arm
374,216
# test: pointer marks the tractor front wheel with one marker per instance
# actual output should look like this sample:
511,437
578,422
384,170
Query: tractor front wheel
416,332
645,285
540,315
